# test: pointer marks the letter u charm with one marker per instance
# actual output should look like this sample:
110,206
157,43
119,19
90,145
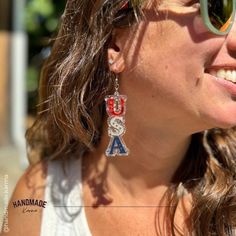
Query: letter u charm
116,108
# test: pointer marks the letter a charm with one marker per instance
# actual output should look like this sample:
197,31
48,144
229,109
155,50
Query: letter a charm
116,108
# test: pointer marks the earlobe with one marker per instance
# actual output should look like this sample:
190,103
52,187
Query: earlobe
116,60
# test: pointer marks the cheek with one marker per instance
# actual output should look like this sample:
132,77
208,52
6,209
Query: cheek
163,67
199,26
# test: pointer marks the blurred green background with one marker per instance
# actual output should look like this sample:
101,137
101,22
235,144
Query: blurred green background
41,22
26,27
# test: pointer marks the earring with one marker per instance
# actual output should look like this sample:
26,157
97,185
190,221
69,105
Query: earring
110,61
116,108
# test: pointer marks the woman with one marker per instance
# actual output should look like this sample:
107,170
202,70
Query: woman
135,125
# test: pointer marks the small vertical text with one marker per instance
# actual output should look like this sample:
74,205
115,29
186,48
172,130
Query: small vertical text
5,226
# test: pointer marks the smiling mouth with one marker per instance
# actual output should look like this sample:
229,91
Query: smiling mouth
226,74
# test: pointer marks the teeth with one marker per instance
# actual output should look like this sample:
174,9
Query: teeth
225,74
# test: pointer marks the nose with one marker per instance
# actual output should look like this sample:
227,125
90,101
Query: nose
231,37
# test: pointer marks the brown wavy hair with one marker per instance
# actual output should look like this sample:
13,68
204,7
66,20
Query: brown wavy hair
74,81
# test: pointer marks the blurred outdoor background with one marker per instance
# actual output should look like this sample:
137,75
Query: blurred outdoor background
25,29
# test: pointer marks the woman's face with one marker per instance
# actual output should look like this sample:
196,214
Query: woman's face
170,62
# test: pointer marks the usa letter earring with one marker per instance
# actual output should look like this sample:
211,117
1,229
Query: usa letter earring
116,108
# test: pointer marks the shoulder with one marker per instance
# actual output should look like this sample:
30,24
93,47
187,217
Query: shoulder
24,213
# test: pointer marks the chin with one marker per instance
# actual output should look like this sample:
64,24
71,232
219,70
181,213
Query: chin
226,126
226,123
223,120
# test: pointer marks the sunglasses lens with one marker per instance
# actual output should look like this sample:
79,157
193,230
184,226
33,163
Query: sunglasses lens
220,13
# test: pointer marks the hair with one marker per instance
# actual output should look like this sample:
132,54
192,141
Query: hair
73,83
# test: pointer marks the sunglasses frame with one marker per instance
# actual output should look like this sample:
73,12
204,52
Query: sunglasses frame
206,18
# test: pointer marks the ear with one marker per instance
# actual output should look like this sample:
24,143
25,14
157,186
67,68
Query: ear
115,56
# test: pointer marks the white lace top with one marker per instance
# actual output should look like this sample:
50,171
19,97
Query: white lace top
64,213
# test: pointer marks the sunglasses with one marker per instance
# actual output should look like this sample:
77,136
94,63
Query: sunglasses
218,15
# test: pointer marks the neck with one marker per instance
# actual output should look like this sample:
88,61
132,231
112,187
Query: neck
155,155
